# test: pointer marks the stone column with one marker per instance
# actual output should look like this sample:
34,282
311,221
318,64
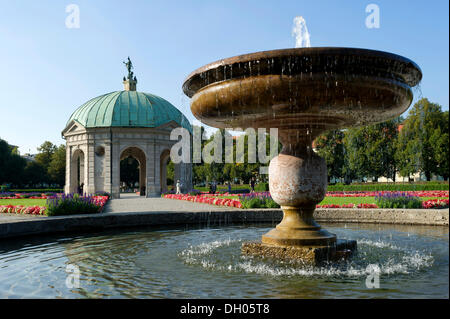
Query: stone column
68,186
89,185
107,168
115,161
153,186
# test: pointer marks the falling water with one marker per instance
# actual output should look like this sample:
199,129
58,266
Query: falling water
300,31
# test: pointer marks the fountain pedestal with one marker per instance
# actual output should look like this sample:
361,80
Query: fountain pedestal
298,181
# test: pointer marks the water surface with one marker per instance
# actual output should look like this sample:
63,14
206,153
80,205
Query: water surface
206,263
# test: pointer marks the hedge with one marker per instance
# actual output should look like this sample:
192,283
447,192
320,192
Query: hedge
431,186
262,187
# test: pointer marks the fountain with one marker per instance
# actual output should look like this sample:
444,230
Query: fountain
302,92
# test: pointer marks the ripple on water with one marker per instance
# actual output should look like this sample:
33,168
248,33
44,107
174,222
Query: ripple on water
390,258
207,263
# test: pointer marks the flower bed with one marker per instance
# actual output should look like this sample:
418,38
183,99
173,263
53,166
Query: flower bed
386,199
60,204
9,195
20,209
206,199
398,200
68,204
363,205
435,203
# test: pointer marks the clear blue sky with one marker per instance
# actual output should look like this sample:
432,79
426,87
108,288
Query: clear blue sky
47,70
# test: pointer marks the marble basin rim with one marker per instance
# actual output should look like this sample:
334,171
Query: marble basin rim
319,88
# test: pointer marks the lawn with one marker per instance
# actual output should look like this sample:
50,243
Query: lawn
326,201
24,202
343,200
358,200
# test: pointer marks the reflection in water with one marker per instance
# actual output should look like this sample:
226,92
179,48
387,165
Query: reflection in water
206,263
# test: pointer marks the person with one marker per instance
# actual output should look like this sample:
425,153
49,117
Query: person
178,187
210,188
229,186
252,184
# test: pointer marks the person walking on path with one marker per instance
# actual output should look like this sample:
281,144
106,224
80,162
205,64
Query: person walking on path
252,184
178,187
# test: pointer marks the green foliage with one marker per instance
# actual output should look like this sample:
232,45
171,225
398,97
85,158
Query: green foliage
375,187
330,146
170,173
49,166
69,205
258,201
398,200
44,158
253,203
262,187
270,203
221,171
370,150
422,145
57,166
11,164
34,173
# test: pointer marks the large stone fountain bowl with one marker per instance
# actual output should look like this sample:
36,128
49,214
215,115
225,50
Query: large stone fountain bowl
301,92
294,89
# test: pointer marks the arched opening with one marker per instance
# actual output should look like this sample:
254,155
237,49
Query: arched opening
77,181
166,172
129,175
133,171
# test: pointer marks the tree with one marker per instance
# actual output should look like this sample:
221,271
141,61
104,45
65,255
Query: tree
4,158
44,158
439,141
421,143
57,166
170,177
331,147
11,164
34,173
371,149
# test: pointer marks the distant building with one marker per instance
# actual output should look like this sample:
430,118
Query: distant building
29,157
116,126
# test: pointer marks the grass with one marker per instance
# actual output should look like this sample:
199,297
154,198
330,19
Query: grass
326,201
356,200
223,188
25,202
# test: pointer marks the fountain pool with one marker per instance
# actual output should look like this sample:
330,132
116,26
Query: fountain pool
207,263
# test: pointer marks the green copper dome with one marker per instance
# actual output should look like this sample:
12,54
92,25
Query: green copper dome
128,109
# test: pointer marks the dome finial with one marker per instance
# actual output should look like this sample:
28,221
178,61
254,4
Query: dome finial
130,82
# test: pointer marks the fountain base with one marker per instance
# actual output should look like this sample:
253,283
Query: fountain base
342,249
